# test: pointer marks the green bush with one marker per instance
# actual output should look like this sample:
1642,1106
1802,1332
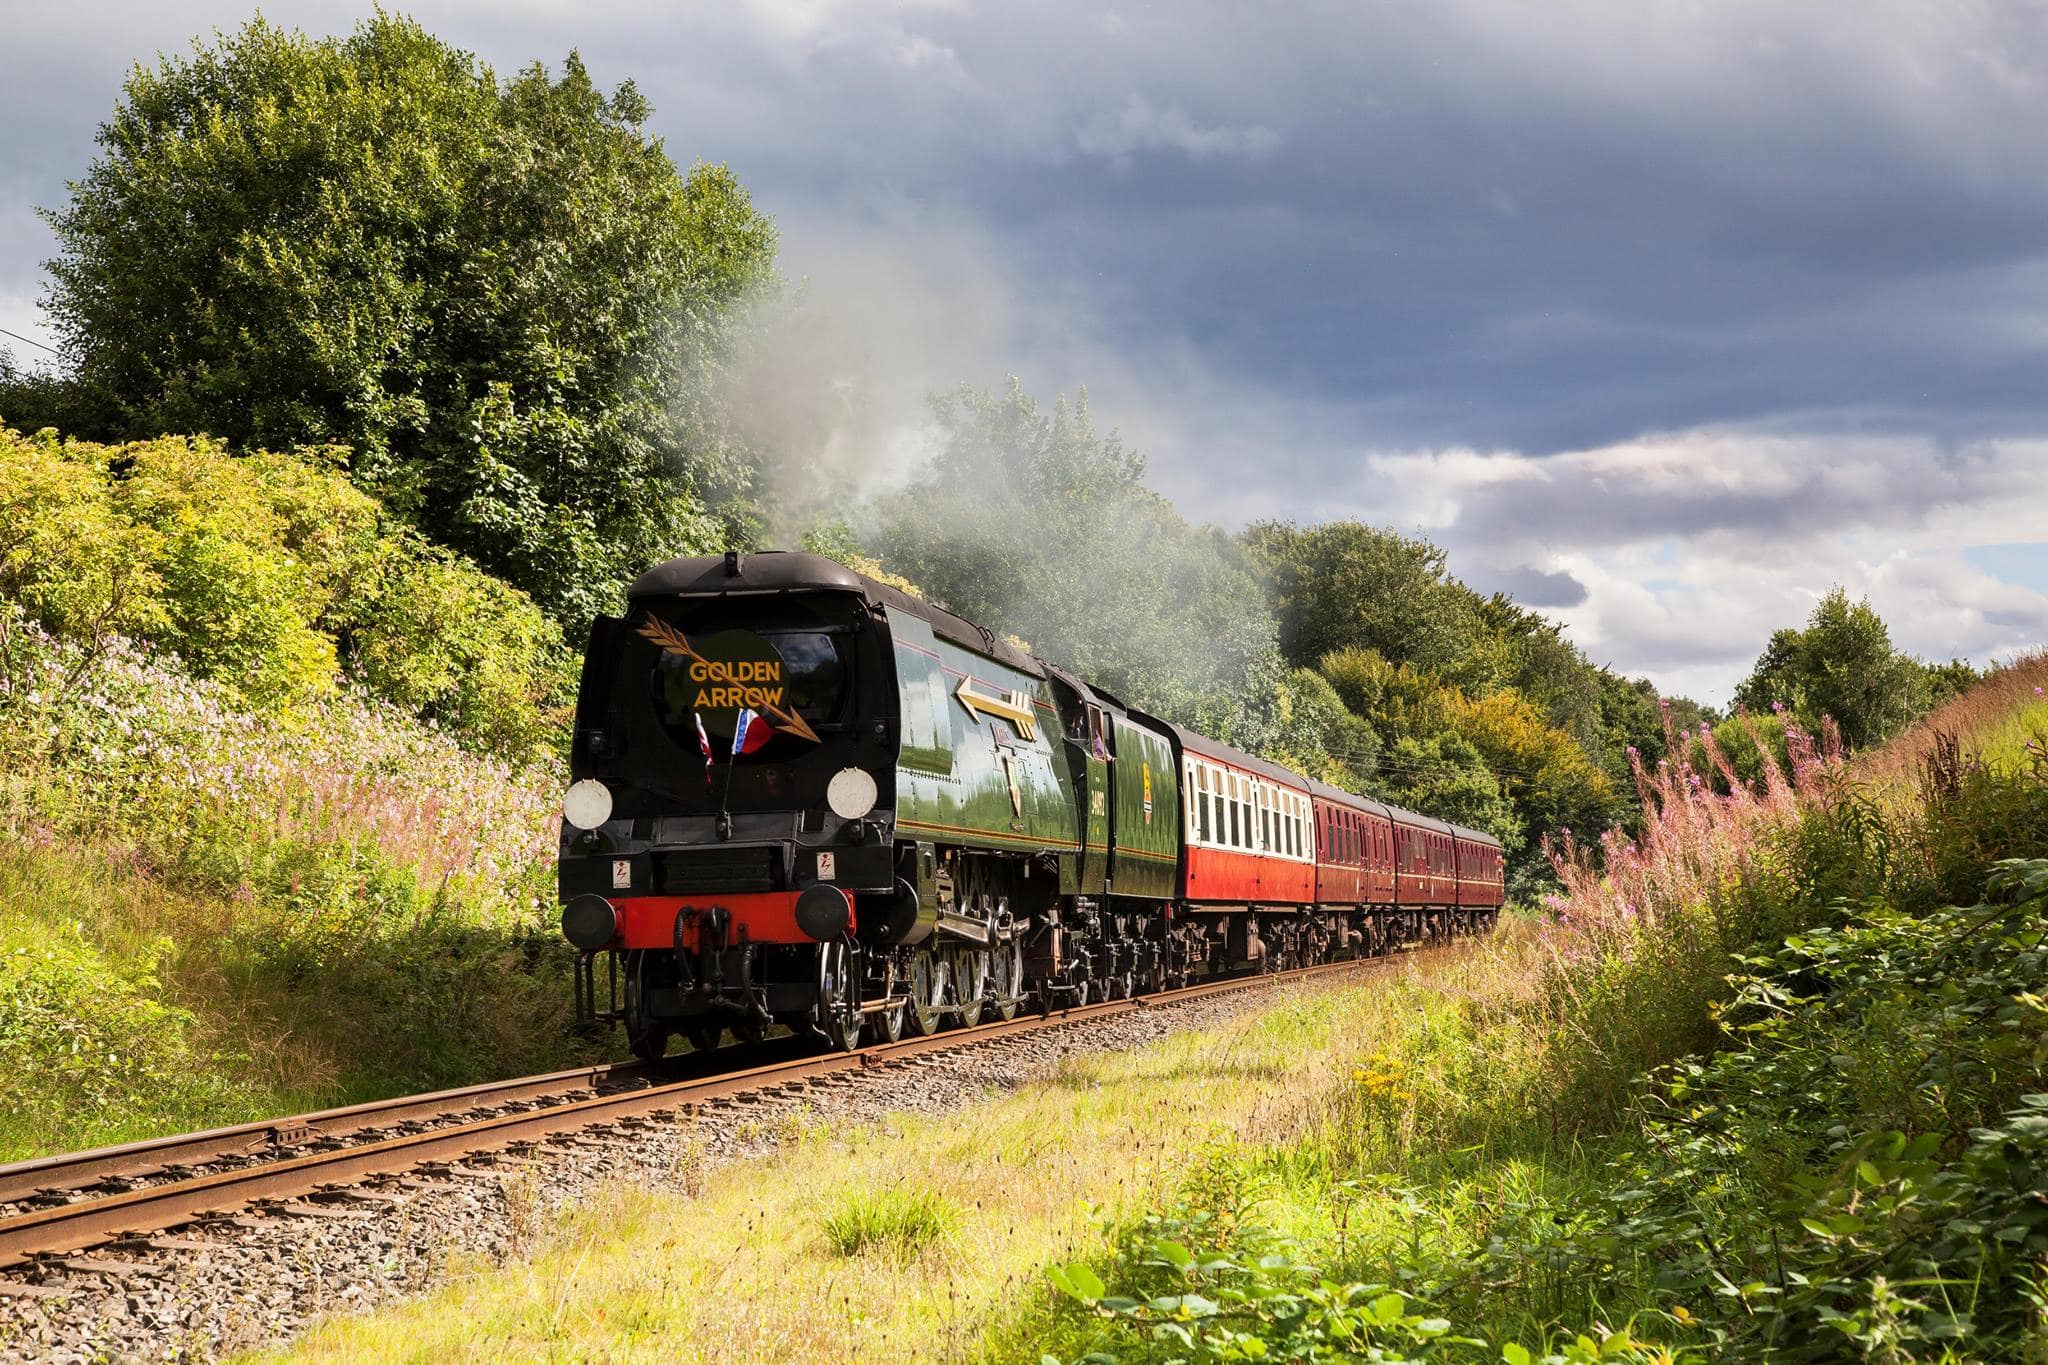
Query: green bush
270,573
339,903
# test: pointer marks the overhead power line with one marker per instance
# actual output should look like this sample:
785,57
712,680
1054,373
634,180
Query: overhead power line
32,341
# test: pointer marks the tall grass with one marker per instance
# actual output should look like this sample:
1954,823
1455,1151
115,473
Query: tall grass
2000,716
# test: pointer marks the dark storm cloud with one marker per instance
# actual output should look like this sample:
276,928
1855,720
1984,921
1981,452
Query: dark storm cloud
1531,587
1278,243
1477,222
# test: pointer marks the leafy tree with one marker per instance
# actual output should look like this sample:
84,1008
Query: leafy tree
1545,774
501,296
32,398
1320,736
1360,677
1841,665
1034,522
273,575
1552,673
1947,681
1344,584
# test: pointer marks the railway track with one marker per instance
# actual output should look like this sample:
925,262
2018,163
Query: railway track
67,1205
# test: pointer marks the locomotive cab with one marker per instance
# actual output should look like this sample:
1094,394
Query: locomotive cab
731,826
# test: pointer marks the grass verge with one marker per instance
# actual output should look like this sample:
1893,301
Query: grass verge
211,914
905,1238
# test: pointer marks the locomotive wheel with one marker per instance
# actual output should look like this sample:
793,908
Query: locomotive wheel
648,1038
925,984
1152,979
837,1015
886,1026
970,983
649,1043
704,1037
1006,978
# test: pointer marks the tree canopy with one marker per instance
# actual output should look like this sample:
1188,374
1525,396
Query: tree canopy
1843,666
500,296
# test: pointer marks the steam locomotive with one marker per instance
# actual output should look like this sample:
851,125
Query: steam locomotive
803,797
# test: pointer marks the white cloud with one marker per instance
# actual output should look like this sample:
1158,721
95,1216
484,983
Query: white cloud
1763,525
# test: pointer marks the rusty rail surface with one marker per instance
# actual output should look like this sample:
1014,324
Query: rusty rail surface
46,1176
92,1220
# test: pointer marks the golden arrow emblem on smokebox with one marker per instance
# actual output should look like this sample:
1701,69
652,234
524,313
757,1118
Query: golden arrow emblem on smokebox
1014,707
673,641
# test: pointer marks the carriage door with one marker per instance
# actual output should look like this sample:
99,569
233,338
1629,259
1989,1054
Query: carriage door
1087,743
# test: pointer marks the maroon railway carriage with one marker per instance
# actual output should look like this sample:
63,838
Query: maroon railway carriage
1355,862
1248,838
1481,880
1354,848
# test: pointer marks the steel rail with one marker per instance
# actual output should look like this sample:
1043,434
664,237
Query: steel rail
51,1175
75,1226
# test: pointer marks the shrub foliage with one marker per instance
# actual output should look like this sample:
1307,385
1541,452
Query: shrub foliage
271,574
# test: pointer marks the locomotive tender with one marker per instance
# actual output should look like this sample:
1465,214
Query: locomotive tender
804,797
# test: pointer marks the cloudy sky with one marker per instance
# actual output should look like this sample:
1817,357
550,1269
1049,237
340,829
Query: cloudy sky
1664,316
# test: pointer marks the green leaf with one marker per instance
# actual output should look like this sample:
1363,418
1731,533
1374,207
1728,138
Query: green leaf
1514,1353
1078,1281
1174,1254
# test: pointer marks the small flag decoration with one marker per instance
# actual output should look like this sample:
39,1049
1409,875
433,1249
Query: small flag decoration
750,732
704,743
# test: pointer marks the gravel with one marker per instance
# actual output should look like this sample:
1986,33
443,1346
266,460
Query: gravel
262,1276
